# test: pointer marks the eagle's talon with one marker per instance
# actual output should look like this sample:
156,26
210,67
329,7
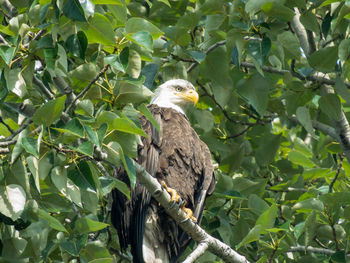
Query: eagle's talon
175,197
189,213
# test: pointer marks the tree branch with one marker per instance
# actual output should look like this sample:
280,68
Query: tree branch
64,88
7,143
328,130
300,32
192,229
200,249
43,89
86,89
316,250
312,78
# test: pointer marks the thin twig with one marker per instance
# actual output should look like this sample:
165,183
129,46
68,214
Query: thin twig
16,132
210,49
36,37
183,59
240,133
5,124
3,40
341,158
215,101
101,168
199,250
86,89
290,189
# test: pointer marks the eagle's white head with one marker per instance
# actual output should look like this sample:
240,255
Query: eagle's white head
177,94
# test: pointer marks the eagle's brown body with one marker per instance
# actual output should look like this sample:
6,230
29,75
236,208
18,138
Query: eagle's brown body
177,156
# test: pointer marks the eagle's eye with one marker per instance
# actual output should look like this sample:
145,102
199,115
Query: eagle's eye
178,89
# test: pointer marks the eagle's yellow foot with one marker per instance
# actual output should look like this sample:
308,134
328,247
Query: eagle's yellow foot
189,213
175,197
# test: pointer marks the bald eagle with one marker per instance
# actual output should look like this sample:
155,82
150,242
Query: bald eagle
179,159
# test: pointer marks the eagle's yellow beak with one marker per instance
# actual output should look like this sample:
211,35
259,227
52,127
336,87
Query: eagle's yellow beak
189,95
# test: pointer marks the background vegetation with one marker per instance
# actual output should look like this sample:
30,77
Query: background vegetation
274,100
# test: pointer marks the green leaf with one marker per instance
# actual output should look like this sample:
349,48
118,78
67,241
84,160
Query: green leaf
253,235
113,155
145,111
58,176
253,6
324,59
116,155
7,53
130,93
77,44
275,9
115,63
304,118
134,64
268,148
96,252
256,204
126,125
84,72
53,222
198,56
178,34
109,183
74,127
290,43
256,91
85,225
74,246
150,72
144,39
100,30
108,2
73,10
344,49
309,20
311,203
85,107
267,219
101,132
330,105
92,136
49,112
85,148
315,173
300,159
15,82
33,165
12,201
30,145
136,24
310,227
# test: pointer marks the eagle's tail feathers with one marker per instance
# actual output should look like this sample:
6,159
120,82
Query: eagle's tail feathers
154,249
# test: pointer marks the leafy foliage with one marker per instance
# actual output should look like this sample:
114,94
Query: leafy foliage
75,76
